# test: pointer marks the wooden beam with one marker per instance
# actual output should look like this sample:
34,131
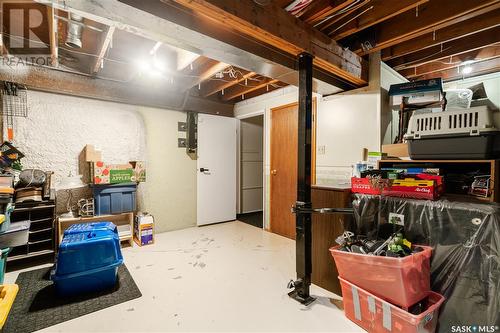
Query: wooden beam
381,12
347,13
436,14
448,49
211,87
486,53
439,36
107,38
204,69
52,24
264,90
479,68
237,91
274,26
325,11
159,95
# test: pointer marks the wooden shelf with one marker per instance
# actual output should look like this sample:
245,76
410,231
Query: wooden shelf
118,219
492,166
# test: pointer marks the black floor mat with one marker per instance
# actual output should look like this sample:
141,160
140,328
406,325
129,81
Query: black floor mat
255,219
37,305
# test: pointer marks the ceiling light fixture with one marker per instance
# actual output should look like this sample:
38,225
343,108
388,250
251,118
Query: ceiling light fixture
467,70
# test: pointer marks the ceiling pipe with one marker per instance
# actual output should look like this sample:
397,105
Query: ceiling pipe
75,28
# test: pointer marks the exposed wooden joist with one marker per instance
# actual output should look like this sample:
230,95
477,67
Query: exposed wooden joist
52,25
457,46
172,24
60,82
274,26
204,69
237,91
211,87
348,12
479,68
381,11
264,90
436,14
106,42
439,36
325,11
486,53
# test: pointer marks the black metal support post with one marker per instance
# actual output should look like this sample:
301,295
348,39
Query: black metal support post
303,221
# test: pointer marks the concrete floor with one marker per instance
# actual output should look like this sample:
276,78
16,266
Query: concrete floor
227,277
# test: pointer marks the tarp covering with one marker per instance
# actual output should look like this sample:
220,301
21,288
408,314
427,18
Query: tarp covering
465,238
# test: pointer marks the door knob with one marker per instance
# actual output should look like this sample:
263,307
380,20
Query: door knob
274,172
204,170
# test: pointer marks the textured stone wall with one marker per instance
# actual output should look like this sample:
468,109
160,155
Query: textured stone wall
58,127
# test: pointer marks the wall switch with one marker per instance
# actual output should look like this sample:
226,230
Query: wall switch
322,150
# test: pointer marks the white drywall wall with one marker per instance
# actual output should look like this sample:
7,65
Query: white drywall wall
58,127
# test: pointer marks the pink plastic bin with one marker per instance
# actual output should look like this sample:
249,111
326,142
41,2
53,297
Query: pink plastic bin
401,281
378,316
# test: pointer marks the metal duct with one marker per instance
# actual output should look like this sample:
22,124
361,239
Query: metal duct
75,28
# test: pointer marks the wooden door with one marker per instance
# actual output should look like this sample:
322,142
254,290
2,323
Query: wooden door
284,141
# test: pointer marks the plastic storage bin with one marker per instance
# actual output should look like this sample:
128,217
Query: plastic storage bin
16,235
455,134
401,281
3,262
8,294
87,262
93,226
378,316
114,199
5,210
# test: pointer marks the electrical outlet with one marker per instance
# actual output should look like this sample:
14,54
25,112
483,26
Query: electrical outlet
322,150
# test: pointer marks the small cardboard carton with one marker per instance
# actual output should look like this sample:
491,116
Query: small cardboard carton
92,154
144,229
102,173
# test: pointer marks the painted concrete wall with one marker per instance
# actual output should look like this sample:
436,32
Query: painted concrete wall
58,127
171,195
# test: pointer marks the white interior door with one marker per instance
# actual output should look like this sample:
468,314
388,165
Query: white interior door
216,169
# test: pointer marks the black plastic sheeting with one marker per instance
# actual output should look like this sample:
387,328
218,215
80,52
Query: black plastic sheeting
465,237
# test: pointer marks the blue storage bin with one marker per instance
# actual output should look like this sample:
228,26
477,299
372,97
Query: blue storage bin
93,226
87,262
3,262
114,199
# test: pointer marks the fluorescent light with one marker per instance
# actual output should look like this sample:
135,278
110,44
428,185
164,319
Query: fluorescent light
467,70
143,66
158,64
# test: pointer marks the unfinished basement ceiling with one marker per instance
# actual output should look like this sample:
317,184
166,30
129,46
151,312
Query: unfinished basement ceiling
418,38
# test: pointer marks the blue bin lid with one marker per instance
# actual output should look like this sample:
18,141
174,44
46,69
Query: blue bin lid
93,226
82,252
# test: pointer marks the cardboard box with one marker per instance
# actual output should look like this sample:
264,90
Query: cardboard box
396,150
102,173
91,154
144,229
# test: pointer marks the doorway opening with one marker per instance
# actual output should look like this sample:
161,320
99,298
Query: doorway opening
251,189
